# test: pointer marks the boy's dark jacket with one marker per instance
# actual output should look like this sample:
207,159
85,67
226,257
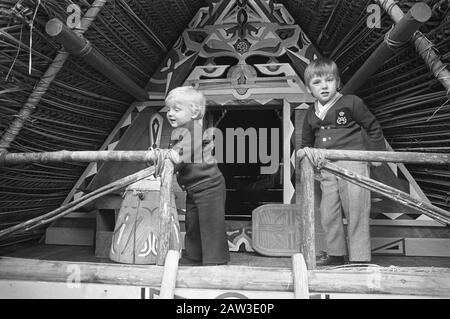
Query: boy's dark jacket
341,127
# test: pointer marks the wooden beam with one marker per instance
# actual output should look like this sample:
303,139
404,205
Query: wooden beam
44,83
376,156
78,156
401,33
365,280
79,46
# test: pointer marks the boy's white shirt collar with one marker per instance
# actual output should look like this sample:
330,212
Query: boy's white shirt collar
321,110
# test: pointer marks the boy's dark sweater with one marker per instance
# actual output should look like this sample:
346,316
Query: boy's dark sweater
341,127
197,163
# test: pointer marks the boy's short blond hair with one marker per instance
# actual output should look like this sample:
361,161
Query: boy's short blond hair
321,67
188,96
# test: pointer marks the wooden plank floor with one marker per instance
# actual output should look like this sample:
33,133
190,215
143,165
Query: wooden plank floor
86,254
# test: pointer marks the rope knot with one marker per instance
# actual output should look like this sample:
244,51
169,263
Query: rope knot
316,156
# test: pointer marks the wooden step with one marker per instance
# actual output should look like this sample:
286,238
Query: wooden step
71,231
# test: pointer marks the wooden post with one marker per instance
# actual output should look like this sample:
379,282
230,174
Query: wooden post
401,33
79,46
300,274
166,220
307,213
169,277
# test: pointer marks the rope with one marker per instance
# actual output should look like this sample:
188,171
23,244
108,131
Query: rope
316,156
160,155
390,7
392,44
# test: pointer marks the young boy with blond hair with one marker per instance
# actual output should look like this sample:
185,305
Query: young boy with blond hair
205,241
335,121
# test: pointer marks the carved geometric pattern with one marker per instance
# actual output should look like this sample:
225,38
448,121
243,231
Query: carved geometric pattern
155,129
390,246
92,168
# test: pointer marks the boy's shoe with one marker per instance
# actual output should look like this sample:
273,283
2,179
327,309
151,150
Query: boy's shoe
328,260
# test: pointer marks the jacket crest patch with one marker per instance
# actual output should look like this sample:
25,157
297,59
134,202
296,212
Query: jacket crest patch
341,118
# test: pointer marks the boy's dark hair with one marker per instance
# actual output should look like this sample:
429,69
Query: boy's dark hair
321,67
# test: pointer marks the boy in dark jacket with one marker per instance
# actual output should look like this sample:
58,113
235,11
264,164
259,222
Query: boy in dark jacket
205,241
335,121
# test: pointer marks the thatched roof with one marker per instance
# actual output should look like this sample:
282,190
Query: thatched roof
81,106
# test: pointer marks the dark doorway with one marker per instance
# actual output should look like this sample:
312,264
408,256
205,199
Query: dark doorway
247,187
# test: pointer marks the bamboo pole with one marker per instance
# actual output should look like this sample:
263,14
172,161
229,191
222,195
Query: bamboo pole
44,83
169,276
401,33
424,47
80,202
376,156
77,156
306,201
430,281
300,274
80,46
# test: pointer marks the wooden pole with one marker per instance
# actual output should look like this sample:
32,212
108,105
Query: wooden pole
166,219
423,45
429,281
401,33
169,277
375,156
79,46
300,274
78,156
44,83
307,213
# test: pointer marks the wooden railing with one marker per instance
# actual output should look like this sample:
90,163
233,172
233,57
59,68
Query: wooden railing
307,195
167,203
168,214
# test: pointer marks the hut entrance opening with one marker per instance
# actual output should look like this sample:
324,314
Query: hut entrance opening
252,158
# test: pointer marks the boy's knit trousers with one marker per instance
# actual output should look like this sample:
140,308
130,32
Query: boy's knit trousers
355,202
206,238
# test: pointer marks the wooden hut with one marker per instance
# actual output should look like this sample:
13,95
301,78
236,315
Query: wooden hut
92,76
